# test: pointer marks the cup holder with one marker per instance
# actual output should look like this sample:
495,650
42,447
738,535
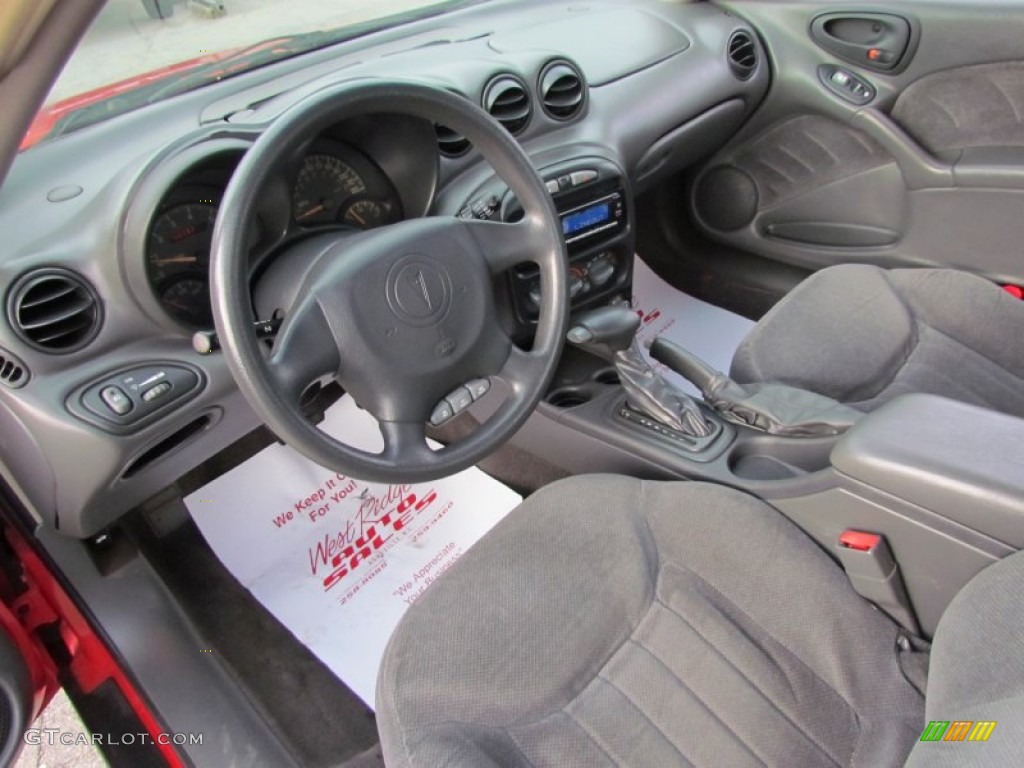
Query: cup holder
607,376
779,458
569,397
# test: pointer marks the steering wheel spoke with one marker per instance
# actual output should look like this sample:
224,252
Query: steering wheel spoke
405,442
520,369
304,350
503,246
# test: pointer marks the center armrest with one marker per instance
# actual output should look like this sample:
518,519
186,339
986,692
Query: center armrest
959,461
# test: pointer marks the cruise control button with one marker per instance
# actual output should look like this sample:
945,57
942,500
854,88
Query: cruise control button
441,413
478,387
116,400
459,399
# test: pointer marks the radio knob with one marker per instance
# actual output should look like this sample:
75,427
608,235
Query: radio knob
576,285
602,269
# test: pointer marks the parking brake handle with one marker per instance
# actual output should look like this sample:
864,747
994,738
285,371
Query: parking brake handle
610,333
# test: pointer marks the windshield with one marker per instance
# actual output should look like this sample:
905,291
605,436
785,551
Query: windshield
140,51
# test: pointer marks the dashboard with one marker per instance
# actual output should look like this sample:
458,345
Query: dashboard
108,229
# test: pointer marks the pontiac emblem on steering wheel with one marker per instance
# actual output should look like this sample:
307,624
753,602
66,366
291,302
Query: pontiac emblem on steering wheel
419,291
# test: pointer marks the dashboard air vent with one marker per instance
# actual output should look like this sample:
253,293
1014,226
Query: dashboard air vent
54,310
507,101
562,90
13,372
742,55
450,143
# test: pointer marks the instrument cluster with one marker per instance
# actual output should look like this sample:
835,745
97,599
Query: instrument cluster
334,185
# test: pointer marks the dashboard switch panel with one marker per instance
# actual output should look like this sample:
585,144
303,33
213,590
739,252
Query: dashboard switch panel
846,85
124,400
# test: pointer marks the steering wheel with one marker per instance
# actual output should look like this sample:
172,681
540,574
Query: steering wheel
400,316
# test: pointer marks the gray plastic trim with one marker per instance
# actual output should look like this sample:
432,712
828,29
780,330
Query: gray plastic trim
189,691
920,170
957,460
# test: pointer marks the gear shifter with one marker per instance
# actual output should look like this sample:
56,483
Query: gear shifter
610,333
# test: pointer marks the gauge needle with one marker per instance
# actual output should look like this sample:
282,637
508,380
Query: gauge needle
182,258
352,214
312,211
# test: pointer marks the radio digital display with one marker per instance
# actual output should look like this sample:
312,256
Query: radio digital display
588,217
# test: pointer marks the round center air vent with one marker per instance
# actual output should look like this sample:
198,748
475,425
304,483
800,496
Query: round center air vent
507,101
562,90
742,54
54,310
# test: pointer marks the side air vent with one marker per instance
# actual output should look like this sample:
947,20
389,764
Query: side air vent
507,101
562,90
13,372
54,310
450,143
742,54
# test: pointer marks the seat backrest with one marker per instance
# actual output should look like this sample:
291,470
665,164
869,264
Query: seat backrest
976,675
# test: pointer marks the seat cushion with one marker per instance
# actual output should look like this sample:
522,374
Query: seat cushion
977,675
863,335
612,621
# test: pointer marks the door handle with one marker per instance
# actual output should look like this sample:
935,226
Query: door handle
878,41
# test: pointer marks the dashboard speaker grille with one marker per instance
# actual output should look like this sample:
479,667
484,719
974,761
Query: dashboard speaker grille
562,90
54,310
742,54
13,372
507,100
450,143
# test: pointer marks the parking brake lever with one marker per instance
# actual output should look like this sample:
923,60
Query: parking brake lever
610,333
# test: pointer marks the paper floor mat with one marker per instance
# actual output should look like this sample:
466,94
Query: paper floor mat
710,332
338,560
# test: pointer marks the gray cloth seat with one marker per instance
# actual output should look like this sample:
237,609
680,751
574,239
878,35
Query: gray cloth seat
613,621
863,335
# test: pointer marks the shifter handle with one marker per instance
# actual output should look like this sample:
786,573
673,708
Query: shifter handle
605,330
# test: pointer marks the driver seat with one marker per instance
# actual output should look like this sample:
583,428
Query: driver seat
612,621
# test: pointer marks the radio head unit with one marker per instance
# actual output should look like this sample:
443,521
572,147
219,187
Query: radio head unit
591,218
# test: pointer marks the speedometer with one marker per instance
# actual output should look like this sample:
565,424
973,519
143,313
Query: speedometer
178,258
324,184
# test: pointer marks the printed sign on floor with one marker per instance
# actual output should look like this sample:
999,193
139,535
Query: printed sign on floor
335,559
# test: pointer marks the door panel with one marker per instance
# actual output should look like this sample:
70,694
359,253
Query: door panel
923,165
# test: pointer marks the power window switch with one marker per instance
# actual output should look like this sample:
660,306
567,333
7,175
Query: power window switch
840,78
116,400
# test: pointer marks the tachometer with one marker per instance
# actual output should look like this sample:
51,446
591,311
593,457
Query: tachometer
178,259
324,184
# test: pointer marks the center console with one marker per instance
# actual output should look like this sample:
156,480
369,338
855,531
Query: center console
593,201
